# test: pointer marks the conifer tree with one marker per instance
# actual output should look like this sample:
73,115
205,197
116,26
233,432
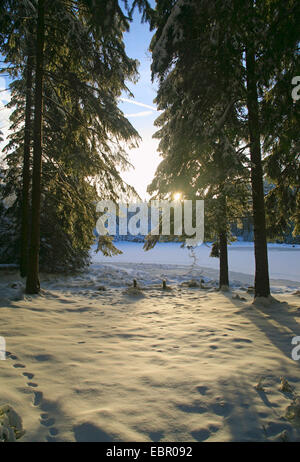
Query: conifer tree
200,131
233,42
84,72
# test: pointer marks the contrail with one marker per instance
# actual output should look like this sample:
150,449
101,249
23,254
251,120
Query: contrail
125,100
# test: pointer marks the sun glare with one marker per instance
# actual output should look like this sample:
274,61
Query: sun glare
177,196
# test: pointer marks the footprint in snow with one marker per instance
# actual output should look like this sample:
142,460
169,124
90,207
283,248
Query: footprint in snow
38,396
32,384
28,375
202,390
46,421
241,340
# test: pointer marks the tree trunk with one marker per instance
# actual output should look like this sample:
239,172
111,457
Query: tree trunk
224,279
33,283
262,284
26,170
223,253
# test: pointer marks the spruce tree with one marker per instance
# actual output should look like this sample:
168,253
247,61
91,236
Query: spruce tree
200,127
84,72
233,41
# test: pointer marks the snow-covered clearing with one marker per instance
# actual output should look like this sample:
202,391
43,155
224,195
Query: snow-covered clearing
88,364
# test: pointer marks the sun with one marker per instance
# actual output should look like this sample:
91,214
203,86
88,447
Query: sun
177,196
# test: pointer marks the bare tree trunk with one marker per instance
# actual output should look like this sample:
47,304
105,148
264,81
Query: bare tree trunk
224,278
26,169
262,284
223,250
33,283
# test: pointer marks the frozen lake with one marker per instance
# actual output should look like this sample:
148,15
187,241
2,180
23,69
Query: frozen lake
284,260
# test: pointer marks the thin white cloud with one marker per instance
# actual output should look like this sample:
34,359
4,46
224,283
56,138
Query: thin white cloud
139,114
137,103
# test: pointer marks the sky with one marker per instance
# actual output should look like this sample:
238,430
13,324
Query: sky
145,159
4,112
140,110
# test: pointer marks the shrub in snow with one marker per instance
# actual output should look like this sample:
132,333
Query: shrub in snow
11,427
285,386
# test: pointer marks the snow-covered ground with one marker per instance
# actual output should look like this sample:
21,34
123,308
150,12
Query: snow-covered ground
91,360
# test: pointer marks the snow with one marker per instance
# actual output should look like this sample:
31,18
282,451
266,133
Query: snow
159,52
284,259
90,360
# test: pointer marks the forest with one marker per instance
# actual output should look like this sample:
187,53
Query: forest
227,76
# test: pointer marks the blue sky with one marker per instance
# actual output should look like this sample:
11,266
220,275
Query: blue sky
145,159
4,99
